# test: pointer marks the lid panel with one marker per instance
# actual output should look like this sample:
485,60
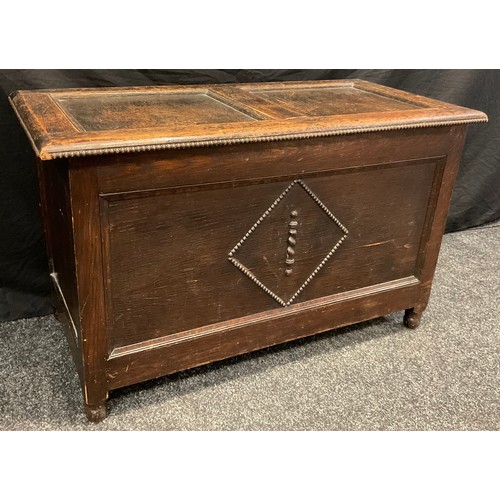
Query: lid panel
92,112
328,101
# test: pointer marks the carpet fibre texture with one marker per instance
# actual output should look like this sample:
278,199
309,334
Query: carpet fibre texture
376,375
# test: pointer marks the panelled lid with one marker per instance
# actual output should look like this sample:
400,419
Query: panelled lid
77,122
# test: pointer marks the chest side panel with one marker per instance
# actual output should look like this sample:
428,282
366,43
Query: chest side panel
56,202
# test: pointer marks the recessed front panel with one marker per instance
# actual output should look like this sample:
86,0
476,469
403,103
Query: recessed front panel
186,258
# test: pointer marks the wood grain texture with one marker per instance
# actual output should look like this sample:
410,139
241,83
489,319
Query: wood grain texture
146,111
266,161
438,214
95,121
90,283
171,259
55,204
168,254
256,332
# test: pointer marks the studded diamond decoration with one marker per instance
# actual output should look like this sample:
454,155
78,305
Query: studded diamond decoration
290,248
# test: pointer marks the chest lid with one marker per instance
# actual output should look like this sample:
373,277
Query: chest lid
77,122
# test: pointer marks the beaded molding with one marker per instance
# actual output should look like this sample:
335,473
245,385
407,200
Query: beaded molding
254,278
243,140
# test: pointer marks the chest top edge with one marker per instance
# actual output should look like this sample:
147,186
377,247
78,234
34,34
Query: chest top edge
65,123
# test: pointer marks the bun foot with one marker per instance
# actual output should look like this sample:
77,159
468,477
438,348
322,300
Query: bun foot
96,413
412,319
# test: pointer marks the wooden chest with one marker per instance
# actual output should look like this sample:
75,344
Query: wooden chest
189,224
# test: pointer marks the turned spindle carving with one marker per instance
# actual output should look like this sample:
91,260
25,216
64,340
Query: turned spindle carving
291,242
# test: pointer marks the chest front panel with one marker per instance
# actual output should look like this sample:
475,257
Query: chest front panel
185,257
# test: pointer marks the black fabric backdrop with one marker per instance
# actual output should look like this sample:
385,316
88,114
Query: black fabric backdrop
24,280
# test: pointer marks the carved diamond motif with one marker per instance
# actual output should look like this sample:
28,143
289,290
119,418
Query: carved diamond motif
274,271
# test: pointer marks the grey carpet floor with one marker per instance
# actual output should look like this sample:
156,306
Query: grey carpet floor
375,375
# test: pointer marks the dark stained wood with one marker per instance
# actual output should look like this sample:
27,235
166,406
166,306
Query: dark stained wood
432,238
132,111
327,101
55,204
92,121
90,283
266,161
130,366
412,318
168,253
311,206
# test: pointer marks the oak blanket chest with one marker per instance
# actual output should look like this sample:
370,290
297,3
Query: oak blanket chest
187,224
